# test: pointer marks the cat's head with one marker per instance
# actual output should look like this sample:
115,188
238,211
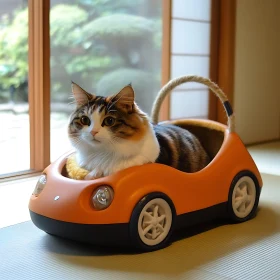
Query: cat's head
103,122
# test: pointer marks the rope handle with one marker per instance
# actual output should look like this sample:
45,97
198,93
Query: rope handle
184,79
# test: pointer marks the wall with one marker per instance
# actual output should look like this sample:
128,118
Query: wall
257,75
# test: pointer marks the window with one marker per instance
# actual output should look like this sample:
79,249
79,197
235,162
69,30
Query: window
14,108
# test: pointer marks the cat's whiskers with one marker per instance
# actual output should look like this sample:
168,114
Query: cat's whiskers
112,104
71,103
106,156
116,139
100,139
113,142
111,111
76,140
76,143
74,135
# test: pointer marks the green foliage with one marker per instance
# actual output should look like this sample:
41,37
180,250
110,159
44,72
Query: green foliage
98,8
88,39
13,50
158,34
119,27
144,83
79,64
65,25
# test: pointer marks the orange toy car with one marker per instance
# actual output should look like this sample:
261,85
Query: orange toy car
143,205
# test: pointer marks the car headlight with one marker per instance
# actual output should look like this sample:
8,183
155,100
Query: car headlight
102,197
40,184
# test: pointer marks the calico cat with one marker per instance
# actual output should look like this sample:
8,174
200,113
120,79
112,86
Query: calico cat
112,133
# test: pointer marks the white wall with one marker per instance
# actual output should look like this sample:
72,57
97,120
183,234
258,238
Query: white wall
257,70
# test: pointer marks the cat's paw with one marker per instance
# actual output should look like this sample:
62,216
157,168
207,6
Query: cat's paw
94,174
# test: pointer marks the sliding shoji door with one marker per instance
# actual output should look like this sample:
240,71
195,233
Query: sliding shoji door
190,54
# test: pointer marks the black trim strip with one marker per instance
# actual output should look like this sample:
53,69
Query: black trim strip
106,235
228,108
201,216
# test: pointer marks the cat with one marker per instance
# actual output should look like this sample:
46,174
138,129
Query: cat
112,133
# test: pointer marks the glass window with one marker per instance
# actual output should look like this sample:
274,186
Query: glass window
14,118
102,46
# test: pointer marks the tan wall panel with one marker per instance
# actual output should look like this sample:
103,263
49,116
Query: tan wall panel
257,70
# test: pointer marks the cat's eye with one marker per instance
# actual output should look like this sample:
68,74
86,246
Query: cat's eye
85,120
109,121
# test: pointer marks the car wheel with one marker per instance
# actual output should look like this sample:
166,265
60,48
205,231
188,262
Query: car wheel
152,221
243,197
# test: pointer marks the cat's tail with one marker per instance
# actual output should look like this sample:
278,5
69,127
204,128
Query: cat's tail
184,79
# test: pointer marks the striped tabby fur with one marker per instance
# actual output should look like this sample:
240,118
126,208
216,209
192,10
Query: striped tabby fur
180,149
112,133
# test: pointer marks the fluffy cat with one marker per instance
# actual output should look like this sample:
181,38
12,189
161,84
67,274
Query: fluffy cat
112,133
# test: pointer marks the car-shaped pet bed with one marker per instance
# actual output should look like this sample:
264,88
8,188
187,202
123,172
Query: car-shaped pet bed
143,205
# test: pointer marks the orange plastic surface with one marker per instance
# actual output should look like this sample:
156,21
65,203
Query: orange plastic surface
188,191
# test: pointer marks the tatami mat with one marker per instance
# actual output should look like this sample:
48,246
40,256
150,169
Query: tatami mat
243,251
267,157
14,199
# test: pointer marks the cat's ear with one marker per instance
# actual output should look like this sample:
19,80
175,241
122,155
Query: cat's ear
80,95
125,98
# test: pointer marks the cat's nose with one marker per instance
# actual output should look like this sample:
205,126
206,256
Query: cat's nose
93,132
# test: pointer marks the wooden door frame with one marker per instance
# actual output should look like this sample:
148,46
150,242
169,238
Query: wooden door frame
164,113
39,83
222,54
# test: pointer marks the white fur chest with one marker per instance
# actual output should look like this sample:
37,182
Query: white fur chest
119,155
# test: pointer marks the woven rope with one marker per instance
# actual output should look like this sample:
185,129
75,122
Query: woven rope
184,79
